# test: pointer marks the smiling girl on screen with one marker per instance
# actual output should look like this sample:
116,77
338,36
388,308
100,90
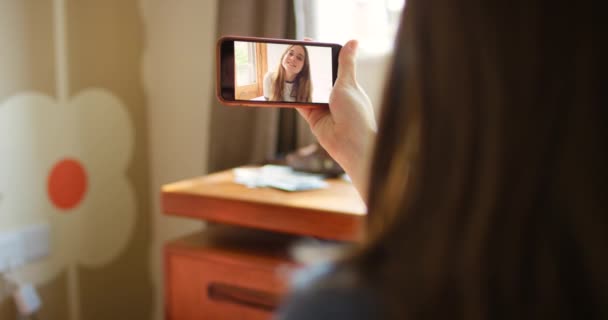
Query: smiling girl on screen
291,82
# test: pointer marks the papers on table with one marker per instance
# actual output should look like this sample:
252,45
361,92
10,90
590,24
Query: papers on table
279,177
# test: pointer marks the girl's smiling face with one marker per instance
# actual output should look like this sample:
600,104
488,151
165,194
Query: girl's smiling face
293,60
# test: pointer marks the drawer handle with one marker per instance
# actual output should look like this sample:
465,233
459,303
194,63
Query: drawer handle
243,296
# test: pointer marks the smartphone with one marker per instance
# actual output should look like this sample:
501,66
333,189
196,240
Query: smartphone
263,72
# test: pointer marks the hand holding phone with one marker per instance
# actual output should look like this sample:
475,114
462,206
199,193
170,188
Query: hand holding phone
347,129
264,72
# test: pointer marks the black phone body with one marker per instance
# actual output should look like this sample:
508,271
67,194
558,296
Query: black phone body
264,72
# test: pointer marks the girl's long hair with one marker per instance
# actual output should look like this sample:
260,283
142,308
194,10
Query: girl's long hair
488,194
302,85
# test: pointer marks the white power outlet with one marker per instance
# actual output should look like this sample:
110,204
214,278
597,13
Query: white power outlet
11,250
36,242
18,247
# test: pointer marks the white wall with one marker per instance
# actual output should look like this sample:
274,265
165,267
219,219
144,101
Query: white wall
178,68
372,71
320,68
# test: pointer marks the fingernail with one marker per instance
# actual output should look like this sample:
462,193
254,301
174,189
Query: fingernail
353,45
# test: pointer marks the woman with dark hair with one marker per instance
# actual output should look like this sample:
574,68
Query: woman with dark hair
291,82
487,189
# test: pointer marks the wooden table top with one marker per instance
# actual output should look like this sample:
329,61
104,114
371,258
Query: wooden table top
334,213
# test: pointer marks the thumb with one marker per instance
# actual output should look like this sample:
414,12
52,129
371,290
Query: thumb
347,62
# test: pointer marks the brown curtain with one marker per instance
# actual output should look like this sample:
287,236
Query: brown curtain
244,135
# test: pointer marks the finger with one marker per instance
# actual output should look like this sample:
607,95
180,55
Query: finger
307,39
347,62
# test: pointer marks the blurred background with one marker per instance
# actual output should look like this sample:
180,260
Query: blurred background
104,101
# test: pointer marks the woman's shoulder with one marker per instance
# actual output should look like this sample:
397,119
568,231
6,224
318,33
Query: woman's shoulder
330,293
269,75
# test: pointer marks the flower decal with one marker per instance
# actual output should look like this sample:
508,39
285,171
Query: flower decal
66,164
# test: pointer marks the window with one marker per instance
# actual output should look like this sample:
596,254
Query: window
244,56
249,77
372,22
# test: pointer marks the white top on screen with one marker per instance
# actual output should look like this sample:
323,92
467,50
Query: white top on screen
249,62
287,87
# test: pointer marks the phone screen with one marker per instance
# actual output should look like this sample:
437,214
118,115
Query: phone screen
271,73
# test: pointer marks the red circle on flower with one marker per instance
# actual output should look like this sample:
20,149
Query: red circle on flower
67,184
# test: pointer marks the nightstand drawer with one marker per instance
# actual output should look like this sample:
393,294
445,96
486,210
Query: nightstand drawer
224,280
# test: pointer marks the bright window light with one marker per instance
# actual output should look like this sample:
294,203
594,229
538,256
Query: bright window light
372,22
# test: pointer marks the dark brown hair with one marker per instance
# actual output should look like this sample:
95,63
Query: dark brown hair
488,188
302,84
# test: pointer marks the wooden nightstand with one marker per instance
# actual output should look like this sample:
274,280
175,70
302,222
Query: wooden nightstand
237,268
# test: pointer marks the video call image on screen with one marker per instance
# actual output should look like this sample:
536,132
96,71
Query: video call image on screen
282,72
